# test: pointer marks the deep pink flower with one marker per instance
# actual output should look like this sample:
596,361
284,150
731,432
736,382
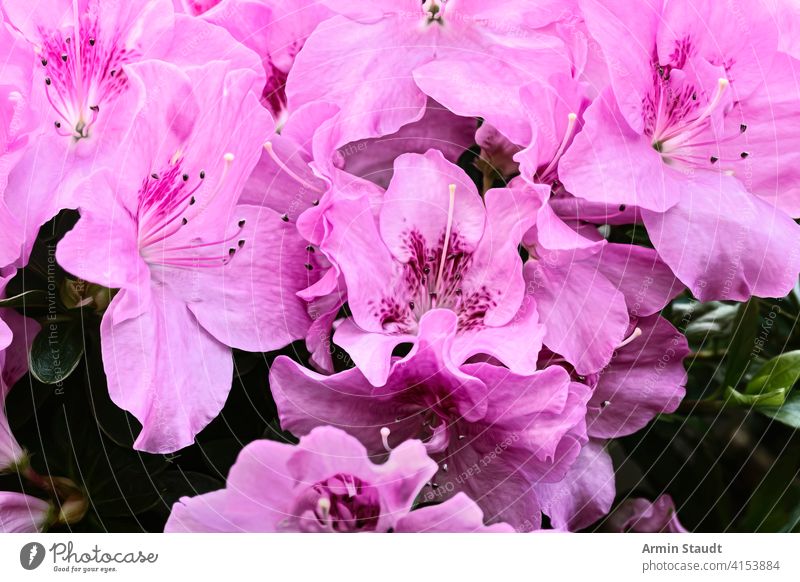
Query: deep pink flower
586,492
641,516
378,61
20,513
432,243
459,514
645,378
196,272
687,131
326,483
495,434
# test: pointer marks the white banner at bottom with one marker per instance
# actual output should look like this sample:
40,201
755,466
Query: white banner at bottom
385,558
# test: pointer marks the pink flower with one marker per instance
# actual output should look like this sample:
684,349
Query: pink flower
433,244
78,93
688,130
379,61
585,287
459,514
495,434
641,516
274,29
20,513
197,273
326,483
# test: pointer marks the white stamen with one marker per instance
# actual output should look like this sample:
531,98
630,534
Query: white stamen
636,333
722,85
448,229
287,169
323,507
385,432
572,119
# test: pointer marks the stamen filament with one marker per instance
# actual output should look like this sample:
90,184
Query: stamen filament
572,119
447,231
288,170
636,333
385,432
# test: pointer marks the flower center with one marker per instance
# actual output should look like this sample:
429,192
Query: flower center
432,279
83,71
167,204
680,129
433,10
342,503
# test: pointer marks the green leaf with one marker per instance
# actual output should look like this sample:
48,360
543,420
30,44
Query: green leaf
33,298
766,399
56,351
789,413
780,372
745,329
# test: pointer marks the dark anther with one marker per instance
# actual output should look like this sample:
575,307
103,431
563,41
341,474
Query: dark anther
58,124
185,177
94,108
154,176
91,42
622,208
202,174
285,217
714,159
241,223
240,243
411,304
113,72
44,62
68,39
47,81
694,96
426,270
310,248
184,220
64,57
743,155
458,291
192,200
231,252
742,128
308,266
315,203
605,403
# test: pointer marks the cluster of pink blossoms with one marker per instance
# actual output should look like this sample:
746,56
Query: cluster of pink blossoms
252,173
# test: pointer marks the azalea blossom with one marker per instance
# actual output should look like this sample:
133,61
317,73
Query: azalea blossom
399,53
461,413
324,484
76,90
434,245
193,268
686,132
